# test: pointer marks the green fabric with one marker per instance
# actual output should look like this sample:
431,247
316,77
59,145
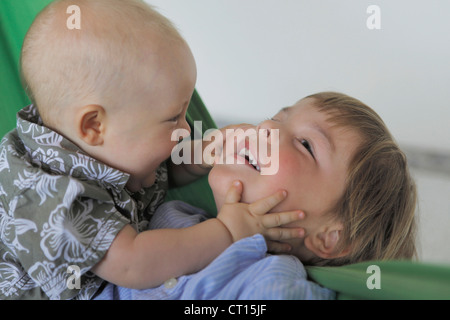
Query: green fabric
15,19
198,193
399,280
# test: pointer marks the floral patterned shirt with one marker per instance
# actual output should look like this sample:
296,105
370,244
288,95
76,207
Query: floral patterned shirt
60,210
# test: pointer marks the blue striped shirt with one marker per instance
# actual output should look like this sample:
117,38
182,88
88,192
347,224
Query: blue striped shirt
243,271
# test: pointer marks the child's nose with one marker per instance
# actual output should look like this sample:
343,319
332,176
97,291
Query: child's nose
265,127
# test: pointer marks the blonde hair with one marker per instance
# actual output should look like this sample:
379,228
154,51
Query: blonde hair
379,202
61,67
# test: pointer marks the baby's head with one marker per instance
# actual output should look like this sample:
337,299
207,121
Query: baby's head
341,166
117,87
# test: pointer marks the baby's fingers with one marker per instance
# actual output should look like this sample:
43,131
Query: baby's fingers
234,192
279,234
277,219
264,205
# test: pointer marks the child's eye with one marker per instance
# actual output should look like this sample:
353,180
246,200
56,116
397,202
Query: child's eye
307,145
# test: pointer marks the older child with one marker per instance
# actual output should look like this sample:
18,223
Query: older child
342,167
340,164
86,166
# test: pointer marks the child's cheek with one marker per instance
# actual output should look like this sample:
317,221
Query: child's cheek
289,165
288,178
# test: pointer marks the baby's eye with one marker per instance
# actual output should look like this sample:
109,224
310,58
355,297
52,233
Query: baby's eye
307,145
174,119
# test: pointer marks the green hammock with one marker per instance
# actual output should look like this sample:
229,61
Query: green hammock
388,280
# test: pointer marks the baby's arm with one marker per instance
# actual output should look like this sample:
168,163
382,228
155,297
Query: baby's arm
151,257
147,259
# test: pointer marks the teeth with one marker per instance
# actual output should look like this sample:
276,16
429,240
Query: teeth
245,153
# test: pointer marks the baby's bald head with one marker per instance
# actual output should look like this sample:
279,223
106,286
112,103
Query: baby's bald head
64,68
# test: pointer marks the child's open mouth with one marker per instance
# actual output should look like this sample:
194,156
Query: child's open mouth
250,158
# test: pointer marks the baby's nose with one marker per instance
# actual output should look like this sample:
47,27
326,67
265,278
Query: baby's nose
187,128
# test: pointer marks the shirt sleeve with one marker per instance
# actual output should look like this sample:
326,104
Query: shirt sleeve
177,214
73,228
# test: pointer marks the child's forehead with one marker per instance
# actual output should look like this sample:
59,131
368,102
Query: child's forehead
330,123
305,108
336,117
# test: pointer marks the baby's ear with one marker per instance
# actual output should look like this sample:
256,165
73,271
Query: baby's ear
324,243
90,124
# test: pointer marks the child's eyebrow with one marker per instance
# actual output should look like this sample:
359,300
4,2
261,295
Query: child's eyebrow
319,129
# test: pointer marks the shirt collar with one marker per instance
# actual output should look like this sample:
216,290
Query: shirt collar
57,154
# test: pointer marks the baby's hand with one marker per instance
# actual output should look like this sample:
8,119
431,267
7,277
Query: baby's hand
244,220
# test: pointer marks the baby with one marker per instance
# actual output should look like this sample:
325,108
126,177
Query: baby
89,161
339,163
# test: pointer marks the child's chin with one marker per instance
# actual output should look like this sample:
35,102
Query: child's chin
220,182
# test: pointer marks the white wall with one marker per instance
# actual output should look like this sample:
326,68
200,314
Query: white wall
256,56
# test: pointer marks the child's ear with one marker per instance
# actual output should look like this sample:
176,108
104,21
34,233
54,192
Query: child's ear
90,122
324,243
